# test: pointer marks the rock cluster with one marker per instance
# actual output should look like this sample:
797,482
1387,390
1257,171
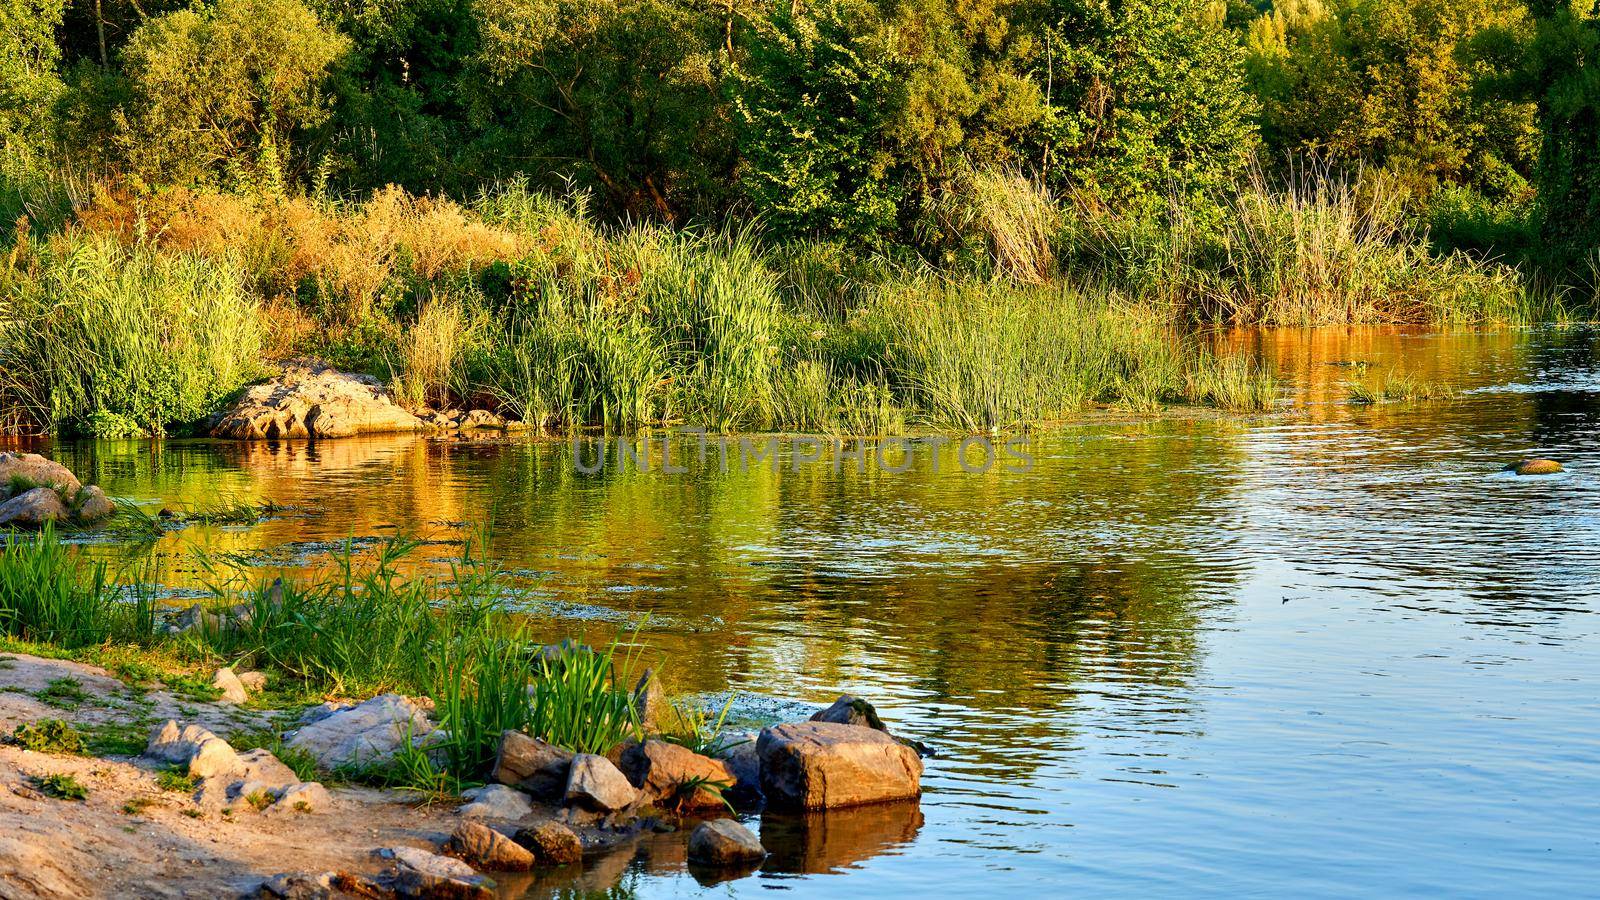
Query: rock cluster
310,400
35,491
256,776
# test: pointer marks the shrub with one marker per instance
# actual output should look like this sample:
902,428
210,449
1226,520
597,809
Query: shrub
62,787
48,736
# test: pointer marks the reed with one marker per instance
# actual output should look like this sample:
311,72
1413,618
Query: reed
49,594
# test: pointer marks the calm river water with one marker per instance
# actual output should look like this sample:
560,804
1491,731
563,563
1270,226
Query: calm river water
1326,652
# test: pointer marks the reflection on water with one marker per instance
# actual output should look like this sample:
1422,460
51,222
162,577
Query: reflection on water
1327,652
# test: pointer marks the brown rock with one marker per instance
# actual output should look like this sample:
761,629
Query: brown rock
593,782
551,843
91,504
484,848
1536,467
821,765
229,684
738,753
664,773
533,765
314,401
33,509
724,842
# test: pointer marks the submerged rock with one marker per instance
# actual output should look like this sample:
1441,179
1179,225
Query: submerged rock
595,783
676,776
314,401
535,766
823,765
551,843
484,848
367,733
724,842
851,710
1535,466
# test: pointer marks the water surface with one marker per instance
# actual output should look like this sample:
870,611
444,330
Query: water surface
1330,651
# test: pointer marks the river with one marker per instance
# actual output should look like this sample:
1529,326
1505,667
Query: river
1329,651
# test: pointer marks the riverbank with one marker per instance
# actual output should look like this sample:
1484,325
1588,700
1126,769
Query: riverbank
144,314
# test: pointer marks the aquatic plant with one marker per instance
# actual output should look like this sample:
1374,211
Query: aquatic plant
582,700
1392,384
49,593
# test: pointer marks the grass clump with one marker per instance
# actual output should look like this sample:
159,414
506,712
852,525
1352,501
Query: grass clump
692,725
112,739
582,700
51,595
176,781
61,787
1380,386
49,736
63,693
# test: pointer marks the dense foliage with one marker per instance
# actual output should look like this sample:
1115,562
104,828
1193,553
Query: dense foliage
529,202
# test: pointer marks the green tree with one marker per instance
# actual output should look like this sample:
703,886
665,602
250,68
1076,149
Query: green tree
1386,83
1147,100
29,81
220,93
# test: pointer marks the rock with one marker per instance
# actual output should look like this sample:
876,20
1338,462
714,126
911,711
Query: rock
551,844
533,765
299,886
205,754
593,782
724,842
663,772
495,801
304,797
254,682
33,509
91,504
198,617
419,873
1535,467
649,701
30,470
851,710
822,765
484,848
482,419
47,864
369,732
231,687
313,401
738,753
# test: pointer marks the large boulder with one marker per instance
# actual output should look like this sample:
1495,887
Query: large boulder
535,766
594,783
21,472
676,776
313,401
823,765
724,842
737,751
365,734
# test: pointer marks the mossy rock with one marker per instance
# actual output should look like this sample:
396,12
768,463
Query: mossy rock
1535,467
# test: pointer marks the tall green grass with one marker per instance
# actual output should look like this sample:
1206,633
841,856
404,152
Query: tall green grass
120,340
49,594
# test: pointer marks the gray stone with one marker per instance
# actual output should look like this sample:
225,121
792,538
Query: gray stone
495,801
304,797
724,842
369,732
419,873
593,782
